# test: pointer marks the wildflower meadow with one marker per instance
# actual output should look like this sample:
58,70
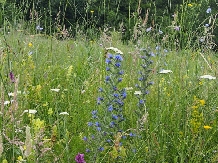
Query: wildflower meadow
99,99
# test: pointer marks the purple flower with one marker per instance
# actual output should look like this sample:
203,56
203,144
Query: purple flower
108,61
117,64
177,28
110,108
114,117
12,78
131,134
110,56
97,124
121,72
116,95
120,79
80,158
87,150
85,138
112,124
101,149
98,128
141,102
90,123
107,78
118,57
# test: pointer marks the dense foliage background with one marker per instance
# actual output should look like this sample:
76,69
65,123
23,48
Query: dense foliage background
94,16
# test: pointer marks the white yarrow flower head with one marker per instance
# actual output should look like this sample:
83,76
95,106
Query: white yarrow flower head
137,93
165,71
207,77
55,90
115,50
30,111
64,113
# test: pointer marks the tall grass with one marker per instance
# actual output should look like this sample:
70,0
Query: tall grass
49,89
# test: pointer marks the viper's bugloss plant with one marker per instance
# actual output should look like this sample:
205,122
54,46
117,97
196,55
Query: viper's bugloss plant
142,86
107,121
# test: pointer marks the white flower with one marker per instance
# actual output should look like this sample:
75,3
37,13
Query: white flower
64,113
55,90
115,50
165,71
137,93
207,77
30,111
11,94
7,102
149,29
129,88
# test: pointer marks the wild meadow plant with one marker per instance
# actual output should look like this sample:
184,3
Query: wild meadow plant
106,125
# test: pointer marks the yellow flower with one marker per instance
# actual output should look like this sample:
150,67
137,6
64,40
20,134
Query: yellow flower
19,158
207,127
4,161
202,102
194,107
50,111
30,44
92,11
190,5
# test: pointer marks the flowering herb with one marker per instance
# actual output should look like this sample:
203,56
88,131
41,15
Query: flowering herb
143,85
107,122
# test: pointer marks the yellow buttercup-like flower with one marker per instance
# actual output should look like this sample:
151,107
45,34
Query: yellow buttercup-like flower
30,44
202,102
207,127
190,5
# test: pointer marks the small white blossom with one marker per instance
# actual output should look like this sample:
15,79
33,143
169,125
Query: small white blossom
207,77
30,111
11,94
64,113
7,102
137,93
165,71
129,88
55,90
149,29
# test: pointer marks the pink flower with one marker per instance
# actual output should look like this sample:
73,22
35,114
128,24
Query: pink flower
80,158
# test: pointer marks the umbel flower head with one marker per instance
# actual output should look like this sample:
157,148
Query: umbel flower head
80,158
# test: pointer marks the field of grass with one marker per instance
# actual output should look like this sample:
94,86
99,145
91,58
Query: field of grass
51,106
102,101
